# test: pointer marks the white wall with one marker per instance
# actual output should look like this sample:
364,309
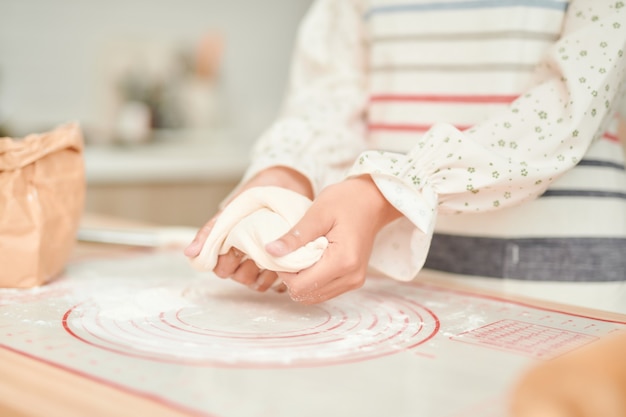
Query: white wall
51,53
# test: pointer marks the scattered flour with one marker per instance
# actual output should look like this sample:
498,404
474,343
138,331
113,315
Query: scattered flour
149,302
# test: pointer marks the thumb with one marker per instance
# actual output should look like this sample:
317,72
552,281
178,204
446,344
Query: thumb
306,230
194,248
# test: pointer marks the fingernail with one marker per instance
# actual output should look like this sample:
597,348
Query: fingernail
256,284
280,288
277,248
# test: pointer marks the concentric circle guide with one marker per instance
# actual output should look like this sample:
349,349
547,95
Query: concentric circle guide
244,329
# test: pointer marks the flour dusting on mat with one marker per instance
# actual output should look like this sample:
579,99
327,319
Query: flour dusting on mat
215,322
158,308
142,303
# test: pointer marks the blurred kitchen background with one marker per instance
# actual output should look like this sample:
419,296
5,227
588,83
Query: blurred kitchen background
170,94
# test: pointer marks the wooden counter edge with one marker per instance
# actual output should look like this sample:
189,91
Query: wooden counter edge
32,387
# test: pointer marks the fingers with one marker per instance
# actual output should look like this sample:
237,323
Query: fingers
312,225
197,243
228,263
330,277
249,275
264,281
246,272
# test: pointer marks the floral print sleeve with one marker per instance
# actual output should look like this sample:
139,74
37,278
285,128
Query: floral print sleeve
507,159
511,157
321,128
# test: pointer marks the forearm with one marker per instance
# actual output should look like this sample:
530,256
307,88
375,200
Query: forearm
321,126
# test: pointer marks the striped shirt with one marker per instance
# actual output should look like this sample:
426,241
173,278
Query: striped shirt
490,124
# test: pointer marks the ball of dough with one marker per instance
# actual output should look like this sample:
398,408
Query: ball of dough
254,218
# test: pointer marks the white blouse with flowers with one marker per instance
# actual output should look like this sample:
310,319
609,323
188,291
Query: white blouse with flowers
484,120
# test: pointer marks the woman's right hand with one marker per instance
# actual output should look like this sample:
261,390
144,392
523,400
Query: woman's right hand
230,265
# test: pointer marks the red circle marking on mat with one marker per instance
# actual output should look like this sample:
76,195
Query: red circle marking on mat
366,325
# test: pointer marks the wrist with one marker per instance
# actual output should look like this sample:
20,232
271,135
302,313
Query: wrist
383,210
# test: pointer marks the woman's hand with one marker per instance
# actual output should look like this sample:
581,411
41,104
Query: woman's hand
349,214
230,264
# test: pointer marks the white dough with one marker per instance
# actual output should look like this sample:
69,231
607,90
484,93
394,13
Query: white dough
254,218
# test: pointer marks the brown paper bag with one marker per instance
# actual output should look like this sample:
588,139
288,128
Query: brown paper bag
42,192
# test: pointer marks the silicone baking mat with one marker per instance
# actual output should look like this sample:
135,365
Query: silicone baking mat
151,325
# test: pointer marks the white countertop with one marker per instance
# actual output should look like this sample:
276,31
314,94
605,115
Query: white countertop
178,158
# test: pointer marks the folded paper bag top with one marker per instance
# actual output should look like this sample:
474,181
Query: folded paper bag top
42,193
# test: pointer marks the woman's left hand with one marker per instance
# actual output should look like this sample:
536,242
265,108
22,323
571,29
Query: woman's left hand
349,214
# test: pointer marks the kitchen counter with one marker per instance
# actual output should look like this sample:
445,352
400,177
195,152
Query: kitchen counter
177,179
104,334
168,159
